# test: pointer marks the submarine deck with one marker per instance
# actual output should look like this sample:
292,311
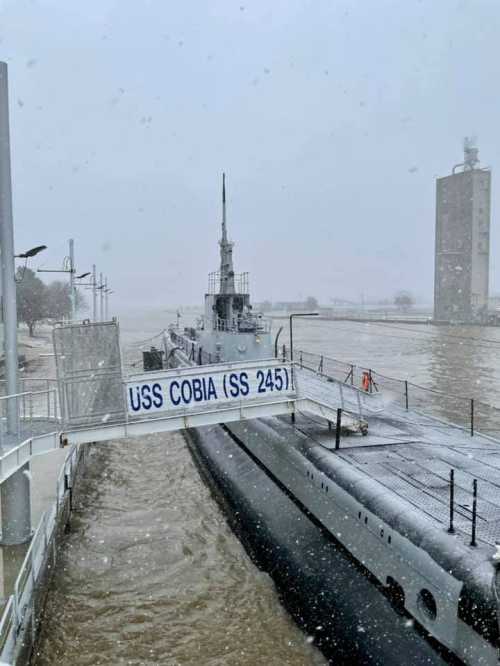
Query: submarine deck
411,455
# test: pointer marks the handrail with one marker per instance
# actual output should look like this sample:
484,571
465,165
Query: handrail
469,406
18,606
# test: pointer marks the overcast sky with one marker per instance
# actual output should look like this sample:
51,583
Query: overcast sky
331,118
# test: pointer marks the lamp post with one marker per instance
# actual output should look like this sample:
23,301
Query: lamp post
94,294
92,285
101,297
68,267
292,316
15,492
106,302
106,297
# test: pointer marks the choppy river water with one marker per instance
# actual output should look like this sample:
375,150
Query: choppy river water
150,572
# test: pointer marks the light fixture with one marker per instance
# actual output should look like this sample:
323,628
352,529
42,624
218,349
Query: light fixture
31,253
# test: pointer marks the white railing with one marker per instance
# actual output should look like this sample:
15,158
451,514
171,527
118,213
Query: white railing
20,608
29,408
19,455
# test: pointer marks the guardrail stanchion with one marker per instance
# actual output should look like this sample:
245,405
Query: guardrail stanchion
406,394
474,513
472,417
337,429
31,412
451,529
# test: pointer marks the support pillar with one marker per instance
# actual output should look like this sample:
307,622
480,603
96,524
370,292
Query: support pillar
16,508
14,493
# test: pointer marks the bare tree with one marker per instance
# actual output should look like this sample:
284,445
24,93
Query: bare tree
311,303
404,301
31,299
58,300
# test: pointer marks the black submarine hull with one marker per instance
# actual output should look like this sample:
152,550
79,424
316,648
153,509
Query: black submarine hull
322,587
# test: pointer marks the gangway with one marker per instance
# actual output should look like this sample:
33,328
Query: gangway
97,402
198,396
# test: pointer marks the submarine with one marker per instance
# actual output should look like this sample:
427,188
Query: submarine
369,552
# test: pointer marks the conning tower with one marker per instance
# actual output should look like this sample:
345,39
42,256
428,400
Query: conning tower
230,329
227,303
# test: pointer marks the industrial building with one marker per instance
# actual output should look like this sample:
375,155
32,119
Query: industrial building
463,242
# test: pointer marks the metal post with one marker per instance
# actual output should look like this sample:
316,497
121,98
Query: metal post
296,314
472,417
101,301
451,529
370,380
15,492
106,299
337,429
406,394
7,257
474,513
72,291
94,294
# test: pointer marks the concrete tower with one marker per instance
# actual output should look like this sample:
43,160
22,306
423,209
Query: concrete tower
462,257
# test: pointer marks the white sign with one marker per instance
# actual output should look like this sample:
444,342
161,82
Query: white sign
180,390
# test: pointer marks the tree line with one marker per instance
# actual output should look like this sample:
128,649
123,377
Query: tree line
38,302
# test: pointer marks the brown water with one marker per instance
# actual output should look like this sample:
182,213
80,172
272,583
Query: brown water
151,574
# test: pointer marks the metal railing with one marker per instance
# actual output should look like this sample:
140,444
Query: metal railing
241,283
461,411
253,323
194,350
36,412
26,602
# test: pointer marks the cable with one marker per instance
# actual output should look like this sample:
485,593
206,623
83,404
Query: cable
138,344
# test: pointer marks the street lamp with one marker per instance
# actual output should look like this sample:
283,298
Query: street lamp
27,255
297,314
68,267
31,253
107,292
90,285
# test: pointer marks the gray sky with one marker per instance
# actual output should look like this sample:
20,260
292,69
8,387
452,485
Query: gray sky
331,119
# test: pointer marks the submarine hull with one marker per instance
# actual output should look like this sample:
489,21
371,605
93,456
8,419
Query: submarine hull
323,588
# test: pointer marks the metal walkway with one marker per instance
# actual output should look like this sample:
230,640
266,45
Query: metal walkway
198,396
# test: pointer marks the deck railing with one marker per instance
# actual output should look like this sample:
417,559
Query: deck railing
466,412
